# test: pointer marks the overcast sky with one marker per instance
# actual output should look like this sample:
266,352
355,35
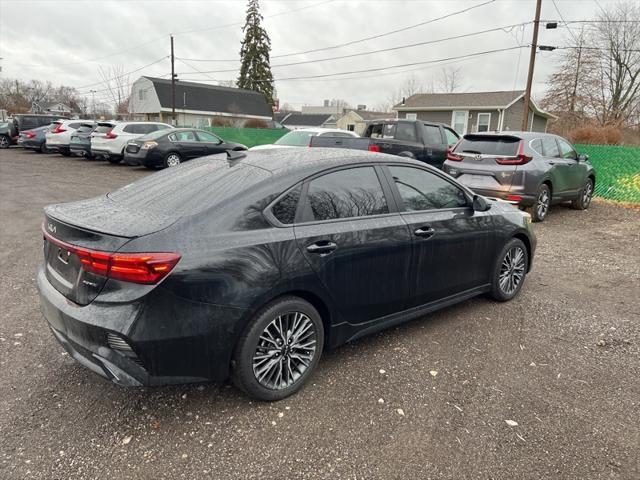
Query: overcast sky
66,41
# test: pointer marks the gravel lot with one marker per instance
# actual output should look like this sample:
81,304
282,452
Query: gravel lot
435,398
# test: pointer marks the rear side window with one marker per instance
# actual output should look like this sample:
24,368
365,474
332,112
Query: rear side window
452,137
422,190
188,136
550,147
434,137
355,192
493,145
285,209
536,145
406,131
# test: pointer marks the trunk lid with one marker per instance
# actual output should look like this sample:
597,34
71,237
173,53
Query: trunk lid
479,168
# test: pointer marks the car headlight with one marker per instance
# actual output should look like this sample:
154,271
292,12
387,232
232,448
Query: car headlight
149,145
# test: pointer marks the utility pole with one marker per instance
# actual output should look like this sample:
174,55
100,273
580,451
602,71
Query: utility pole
173,87
532,62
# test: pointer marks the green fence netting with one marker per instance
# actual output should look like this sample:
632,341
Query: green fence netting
617,171
248,136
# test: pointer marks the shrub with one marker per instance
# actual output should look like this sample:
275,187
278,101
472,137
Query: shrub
596,135
255,123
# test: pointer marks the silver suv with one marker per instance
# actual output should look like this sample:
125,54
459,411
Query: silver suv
533,170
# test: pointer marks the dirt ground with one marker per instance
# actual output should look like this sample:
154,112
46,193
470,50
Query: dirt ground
545,386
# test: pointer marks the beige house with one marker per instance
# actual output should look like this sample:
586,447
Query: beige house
356,120
475,112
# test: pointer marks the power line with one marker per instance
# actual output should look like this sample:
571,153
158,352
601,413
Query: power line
371,52
555,5
360,40
123,74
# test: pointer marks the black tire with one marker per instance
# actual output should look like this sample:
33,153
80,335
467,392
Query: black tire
265,324
540,209
499,291
584,197
65,152
114,160
171,158
5,141
43,148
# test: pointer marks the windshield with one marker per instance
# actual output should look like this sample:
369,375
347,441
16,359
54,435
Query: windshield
296,138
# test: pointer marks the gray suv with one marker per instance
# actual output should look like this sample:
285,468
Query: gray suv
533,170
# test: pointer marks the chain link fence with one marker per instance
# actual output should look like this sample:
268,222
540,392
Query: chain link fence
617,171
248,136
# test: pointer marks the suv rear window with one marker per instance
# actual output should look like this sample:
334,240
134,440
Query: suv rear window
489,145
103,128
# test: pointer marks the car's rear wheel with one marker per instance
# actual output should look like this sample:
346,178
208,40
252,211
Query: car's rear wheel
542,204
5,142
114,160
584,198
172,160
510,271
65,152
279,350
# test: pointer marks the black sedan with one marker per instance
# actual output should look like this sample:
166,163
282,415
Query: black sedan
252,265
168,148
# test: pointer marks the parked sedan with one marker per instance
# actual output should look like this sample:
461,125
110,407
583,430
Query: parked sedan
170,148
533,170
302,137
34,139
252,266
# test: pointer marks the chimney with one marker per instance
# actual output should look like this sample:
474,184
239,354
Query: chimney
326,103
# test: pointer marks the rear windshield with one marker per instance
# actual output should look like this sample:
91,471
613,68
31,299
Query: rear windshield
296,139
103,128
85,129
489,145
189,189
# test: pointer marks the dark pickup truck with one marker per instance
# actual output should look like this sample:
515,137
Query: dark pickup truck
424,141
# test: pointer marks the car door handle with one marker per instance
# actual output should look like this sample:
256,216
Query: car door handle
425,232
551,162
322,247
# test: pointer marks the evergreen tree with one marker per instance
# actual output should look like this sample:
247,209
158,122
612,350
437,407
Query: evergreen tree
255,69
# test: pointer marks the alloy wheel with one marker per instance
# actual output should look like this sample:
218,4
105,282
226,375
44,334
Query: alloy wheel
542,205
4,142
587,194
285,351
173,160
512,270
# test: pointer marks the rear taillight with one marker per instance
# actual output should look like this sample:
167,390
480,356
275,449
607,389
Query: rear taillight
146,268
29,134
110,134
59,129
452,156
519,159
374,148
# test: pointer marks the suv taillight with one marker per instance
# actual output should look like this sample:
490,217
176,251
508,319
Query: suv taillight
59,129
519,159
374,148
110,134
452,156
145,268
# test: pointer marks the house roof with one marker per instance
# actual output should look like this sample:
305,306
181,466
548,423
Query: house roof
211,98
306,119
370,115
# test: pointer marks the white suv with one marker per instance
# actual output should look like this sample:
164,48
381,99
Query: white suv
59,135
111,145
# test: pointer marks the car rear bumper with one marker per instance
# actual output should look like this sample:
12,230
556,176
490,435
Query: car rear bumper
186,349
106,151
514,198
31,144
137,158
79,149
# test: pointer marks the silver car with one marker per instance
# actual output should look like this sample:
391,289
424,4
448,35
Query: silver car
533,170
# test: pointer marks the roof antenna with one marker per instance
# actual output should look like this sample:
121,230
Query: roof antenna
234,155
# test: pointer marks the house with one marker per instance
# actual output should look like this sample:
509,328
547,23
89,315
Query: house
474,112
54,108
356,120
296,120
196,104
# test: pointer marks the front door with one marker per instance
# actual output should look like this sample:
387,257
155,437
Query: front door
211,143
453,249
358,247
575,172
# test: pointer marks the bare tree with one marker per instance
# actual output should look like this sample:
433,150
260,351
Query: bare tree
411,86
450,80
117,87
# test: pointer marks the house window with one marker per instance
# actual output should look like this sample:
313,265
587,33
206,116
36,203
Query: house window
459,120
484,120
411,116
141,94
351,127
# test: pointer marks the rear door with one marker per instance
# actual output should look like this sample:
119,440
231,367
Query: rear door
557,166
435,145
357,245
188,145
453,244
397,138
212,144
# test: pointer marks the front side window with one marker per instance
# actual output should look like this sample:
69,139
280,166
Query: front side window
355,192
285,209
422,190
484,119
550,147
208,137
566,150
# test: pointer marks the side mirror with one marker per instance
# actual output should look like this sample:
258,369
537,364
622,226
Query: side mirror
583,157
480,204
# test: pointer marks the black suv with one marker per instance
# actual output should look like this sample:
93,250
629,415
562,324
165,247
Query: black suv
10,130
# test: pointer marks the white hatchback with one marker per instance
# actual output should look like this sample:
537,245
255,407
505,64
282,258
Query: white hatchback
302,137
111,145
59,135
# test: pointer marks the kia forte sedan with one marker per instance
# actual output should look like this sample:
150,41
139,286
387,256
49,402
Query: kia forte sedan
250,265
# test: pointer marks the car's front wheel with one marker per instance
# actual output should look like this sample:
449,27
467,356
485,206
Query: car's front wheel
584,198
279,350
510,271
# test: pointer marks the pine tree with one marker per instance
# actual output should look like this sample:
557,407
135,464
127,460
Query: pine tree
255,69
